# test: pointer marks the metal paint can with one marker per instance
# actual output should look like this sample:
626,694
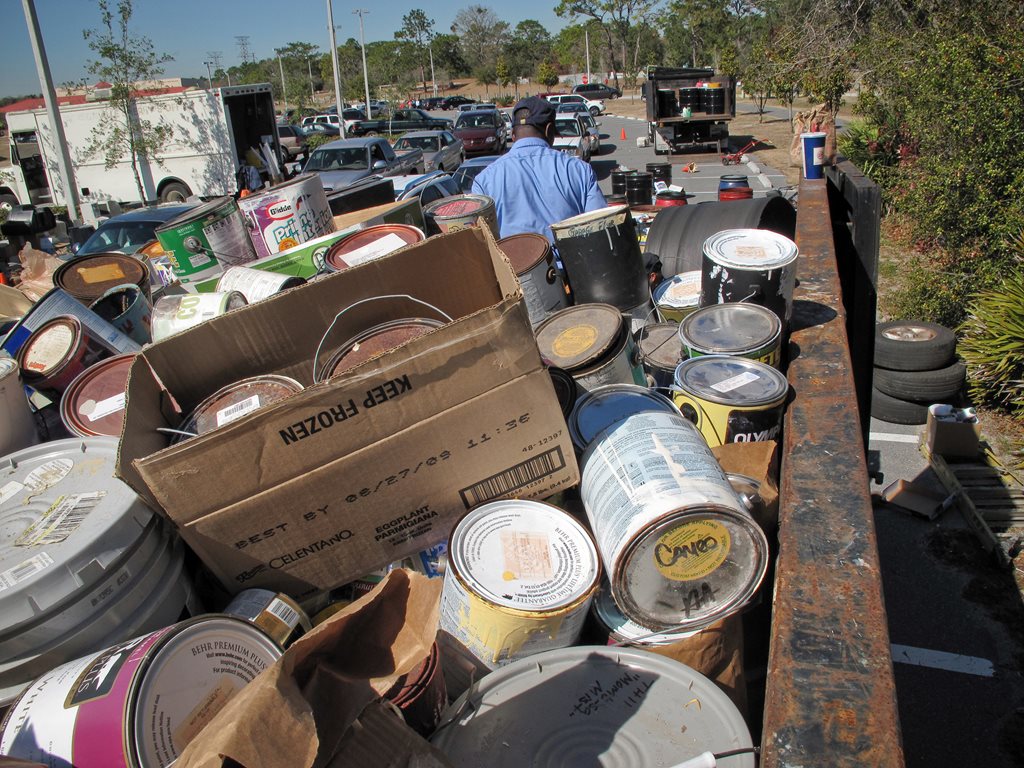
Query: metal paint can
280,617
56,353
421,695
678,296
374,341
200,244
738,330
256,284
287,215
566,389
749,491
89,277
139,703
534,264
129,309
93,404
174,314
754,266
84,563
17,424
604,407
593,344
639,316
731,399
237,400
455,212
622,631
370,243
680,548
660,353
590,706
519,581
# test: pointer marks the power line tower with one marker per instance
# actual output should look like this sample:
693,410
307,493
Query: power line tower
243,48
214,57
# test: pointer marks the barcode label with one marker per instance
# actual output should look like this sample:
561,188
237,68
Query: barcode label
106,407
238,410
284,612
61,520
24,570
513,478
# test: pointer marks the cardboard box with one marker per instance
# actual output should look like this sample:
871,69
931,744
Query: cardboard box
373,465
949,437
917,498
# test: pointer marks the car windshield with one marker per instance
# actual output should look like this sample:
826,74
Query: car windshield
340,159
426,143
465,174
567,128
124,237
476,121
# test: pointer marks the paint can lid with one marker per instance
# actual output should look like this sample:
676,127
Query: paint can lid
729,329
87,278
524,555
591,221
93,404
577,336
458,205
679,291
659,345
370,243
591,705
525,250
236,400
49,347
375,341
602,407
751,249
735,381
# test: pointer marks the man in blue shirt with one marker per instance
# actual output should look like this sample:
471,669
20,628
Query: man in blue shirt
534,186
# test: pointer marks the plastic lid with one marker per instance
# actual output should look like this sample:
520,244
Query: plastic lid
604,406
524,251
757,249
730,328
579,335
735,381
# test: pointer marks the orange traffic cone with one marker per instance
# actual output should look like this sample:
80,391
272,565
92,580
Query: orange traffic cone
623,136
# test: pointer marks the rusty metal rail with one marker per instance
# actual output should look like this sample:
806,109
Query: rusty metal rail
831,697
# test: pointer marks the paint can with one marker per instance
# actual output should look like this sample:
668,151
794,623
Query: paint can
680,549
601,256
678,296
592,705
566,389
139,703
731,399
754,266
616,629
670,198
256,284
174,314
604,407
87,278
129,309
280,617
534,264
738,330
374,341
235,401
93,404
639,316
749,491
84,563
56,353
639,188
519,580
593,344
286,215
370,243
203,242
455,212
421,695
17,424
660,353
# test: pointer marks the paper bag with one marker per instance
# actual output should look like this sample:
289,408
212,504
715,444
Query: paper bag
759,462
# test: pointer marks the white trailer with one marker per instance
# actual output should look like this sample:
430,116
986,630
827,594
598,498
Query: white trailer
211,132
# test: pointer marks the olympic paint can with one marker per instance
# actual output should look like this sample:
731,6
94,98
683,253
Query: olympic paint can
421,695
286,215
754,266
731,399
256,284
593,344
370,243
17,424
174,314
203,242
680,549
618,630
660,353
93,404
678,296
280,617
84,563
129,309
236,401
373,341
56,353
137,704
87,278
519,580
534,264
738,330
604,407
455,212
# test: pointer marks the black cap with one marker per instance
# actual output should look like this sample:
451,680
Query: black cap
541,112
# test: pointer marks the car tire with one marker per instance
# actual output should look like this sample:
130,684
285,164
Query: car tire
175,192
907,345
10,200
896,411
594,111
935,386
370,134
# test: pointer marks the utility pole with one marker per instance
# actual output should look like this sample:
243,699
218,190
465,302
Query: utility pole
284,88
243,47
366,76
50,98
209,77
309,66
433,79
214,57
334,61
586,37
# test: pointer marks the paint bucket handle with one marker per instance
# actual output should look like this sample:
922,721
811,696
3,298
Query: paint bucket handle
319,347
755,294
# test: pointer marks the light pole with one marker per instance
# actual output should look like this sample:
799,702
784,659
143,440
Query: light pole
209,77
309,65
366,76
334,62
284,88
433,79
586,36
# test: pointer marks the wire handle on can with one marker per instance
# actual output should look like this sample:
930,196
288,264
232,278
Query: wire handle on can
319,347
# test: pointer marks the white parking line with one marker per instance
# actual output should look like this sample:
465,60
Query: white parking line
892,437
951,662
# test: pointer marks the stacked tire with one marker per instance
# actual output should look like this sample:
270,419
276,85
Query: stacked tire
915,366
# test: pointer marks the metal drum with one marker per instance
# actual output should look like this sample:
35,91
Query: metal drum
603,407
450,214
738,330
287,215
639,188
534,264
618,177
370,243
204,241
660,353
93,404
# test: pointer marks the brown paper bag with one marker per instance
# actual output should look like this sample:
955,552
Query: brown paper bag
759,462
37,268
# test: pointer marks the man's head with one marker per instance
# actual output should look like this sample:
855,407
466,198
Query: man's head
534,117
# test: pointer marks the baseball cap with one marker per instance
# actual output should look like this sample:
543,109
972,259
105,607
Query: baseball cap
541,110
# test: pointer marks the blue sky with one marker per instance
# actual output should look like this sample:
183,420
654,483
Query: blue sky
188,29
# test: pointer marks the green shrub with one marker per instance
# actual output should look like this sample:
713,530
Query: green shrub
315,140
992,345
864,145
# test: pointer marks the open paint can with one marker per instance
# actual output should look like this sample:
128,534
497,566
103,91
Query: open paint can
455,212
129,309
237,400
677,296
370,243
93,404
738,330
534,264
174,314
56,353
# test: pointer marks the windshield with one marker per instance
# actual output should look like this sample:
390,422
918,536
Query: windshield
124,237
476,121
465,174
341,159
426,143
567,128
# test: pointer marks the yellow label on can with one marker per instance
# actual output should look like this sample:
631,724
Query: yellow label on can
692,550
103,273
574,341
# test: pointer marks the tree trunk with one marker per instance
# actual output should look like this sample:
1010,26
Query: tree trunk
127,109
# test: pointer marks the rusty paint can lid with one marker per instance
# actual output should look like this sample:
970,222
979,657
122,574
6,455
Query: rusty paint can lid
375,341
578,336
89,277
659,345
605,406
525,251
236,400
370,243
50,347
93,404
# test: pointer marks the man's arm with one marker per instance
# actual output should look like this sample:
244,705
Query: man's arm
595,198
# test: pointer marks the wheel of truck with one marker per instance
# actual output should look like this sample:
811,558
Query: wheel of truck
909,345
370,133
9,200
175,192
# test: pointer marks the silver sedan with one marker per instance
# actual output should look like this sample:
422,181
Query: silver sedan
442,151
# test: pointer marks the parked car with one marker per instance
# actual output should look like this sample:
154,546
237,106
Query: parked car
594,107
343,162
594,91
293,141
442,151
451,102
432,102
482,132
506,118
377,108
571,136
470,169
592,126
321,129
325,118
128,232
400,121
477,106
427,187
